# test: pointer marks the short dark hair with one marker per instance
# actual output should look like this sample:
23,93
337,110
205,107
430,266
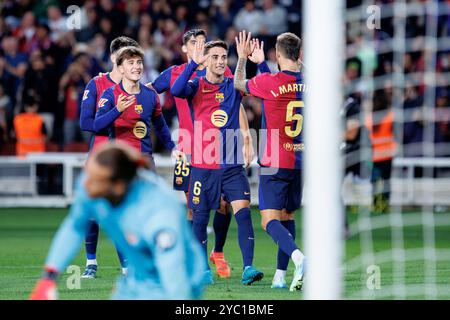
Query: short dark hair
216,43
193,33
289,44
127,53
121,42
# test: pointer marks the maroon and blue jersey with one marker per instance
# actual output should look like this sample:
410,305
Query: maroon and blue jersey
91,95
215,111
133,125
282,105
162,84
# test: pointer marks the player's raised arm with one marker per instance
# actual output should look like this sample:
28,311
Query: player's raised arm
248,150
87,113
258,57
182,87
108,112
244,47
162,82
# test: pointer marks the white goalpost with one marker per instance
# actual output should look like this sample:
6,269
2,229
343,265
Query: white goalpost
323,218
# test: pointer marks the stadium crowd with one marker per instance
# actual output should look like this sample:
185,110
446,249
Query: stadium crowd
47,59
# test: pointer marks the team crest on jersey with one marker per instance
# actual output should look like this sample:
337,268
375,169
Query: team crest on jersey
179,180
219,118
85,94
140,130
195,200
138,108
220,97
102,102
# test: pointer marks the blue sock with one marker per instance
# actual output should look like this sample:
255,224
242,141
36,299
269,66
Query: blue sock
283,258
91,240
221,224
281,236
246,235
200,221
122,259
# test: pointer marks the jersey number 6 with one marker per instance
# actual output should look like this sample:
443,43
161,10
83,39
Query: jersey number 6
292,116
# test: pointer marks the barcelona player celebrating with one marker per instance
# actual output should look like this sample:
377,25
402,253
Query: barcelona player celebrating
162,83
91,96
216,168
280,185
128,108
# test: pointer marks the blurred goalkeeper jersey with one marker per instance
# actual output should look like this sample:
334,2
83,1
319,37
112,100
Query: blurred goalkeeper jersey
149,227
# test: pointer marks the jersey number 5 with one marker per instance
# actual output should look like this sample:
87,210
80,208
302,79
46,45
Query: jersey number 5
292,116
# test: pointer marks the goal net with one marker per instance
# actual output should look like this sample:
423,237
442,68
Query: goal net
387,235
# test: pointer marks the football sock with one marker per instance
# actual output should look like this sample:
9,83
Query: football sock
91,241
221,223
279,275
297,256
283,258
91,262
246,235
200,221
122,259
281,236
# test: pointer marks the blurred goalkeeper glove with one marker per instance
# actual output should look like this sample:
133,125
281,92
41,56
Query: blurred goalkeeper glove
45,288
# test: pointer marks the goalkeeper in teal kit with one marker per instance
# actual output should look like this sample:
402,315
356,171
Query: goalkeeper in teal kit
144,220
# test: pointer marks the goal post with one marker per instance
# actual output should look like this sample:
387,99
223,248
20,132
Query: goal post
323,218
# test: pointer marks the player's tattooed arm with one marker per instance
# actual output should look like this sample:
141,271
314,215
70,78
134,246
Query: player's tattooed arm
247,148
244,47
240,76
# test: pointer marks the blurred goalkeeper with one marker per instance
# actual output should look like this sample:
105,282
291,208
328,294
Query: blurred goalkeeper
143,219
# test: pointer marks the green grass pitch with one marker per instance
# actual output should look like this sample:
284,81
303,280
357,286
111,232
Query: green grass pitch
25,236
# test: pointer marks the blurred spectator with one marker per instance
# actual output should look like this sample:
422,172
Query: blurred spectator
249,18
30,129
12,69
380,124
5,105
133,17
275,19
25,32
56,22
181,17
40,83
99,51
230,37
41,39
443,118
71,87
151,56
222,17
272,60
117,18
91,28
